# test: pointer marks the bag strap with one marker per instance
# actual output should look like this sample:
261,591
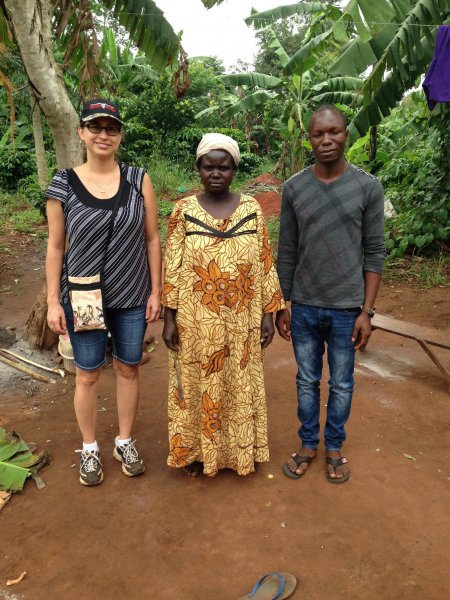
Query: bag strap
115,209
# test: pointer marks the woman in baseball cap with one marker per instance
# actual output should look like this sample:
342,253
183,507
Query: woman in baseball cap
106,212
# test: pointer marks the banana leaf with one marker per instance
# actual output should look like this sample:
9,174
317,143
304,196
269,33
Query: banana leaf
259,80
250,102
148,29
262,19
17,462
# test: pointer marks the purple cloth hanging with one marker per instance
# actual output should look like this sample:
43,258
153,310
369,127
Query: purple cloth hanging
437,80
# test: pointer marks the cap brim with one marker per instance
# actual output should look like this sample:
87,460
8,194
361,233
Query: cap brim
100,114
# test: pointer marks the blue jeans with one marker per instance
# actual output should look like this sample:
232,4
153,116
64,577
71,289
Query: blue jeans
311,327
127,327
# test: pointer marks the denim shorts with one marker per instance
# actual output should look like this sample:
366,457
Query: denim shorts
127,328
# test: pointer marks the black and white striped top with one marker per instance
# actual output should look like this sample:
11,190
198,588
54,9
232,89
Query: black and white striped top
126,273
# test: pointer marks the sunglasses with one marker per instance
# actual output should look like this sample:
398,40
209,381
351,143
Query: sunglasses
111,130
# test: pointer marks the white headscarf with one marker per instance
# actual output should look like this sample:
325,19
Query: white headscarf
218,141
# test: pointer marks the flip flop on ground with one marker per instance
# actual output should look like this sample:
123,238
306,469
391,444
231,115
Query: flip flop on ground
298,459
273,586
335,463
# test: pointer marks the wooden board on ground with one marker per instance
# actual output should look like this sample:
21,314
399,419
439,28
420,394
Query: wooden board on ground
424,336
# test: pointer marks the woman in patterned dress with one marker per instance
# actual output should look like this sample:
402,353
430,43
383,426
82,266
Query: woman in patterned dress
220,292
79,207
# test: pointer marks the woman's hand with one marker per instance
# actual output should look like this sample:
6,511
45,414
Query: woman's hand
283,323
56,318
170,330
267,330
153,309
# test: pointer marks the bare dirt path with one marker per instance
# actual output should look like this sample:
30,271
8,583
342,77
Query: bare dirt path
383,535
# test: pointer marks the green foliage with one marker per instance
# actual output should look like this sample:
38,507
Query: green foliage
251,163
15,164
33,192
164,209
417,182
193,135
169,179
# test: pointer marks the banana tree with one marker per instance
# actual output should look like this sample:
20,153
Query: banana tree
292,92
392,38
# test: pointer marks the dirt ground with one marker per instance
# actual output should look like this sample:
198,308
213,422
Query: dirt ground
383,535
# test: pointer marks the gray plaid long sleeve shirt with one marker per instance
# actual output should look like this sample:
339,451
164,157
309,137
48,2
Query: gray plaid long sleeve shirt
329,235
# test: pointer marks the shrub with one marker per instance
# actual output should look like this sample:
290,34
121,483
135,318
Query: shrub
14,166
33,192
251,163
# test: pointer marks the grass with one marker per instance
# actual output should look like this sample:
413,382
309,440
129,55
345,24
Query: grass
171,180
17,214
419,271
273,227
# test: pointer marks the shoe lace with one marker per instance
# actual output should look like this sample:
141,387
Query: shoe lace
130,453
90,460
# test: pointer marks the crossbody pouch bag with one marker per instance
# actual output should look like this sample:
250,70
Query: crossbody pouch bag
87,293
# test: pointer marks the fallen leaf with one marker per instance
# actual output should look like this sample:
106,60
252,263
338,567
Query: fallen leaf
408,456
4,497
18,580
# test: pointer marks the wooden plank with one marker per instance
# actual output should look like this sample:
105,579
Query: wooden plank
412,331
435,359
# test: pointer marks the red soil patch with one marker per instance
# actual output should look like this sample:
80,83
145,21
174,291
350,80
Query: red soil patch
270,203
267,189
267,179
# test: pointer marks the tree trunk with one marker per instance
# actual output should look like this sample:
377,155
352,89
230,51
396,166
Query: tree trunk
41,161
31,25
37,333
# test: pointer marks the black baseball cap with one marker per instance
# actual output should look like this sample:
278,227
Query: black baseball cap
100,107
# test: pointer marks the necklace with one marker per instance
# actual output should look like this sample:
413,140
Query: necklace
103,189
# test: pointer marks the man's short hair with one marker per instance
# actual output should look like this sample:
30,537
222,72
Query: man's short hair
332,108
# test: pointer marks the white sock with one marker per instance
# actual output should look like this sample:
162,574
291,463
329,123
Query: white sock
91,447
120,442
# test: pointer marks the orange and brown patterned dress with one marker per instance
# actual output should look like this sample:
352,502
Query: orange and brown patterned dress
220,277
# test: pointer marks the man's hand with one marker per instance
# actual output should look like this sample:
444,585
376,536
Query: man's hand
361,331
283,323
